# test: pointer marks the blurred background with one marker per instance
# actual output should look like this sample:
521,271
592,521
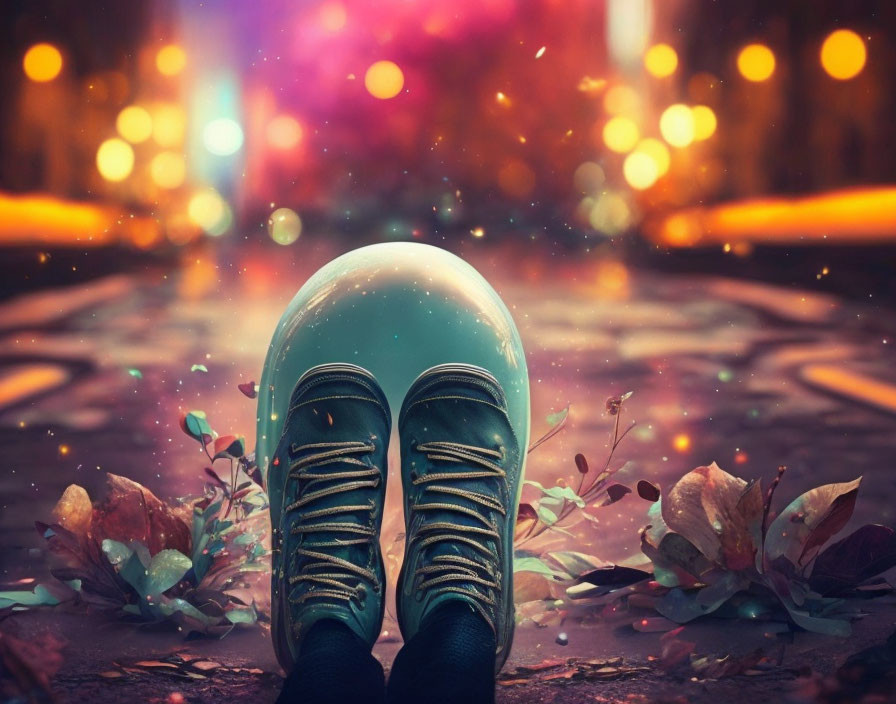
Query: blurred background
693,200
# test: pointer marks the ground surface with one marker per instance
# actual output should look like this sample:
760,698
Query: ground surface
746,374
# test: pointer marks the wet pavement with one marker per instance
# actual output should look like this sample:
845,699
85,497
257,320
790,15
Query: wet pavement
93,379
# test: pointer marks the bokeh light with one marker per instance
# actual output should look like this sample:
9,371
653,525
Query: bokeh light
284,226
332,16
660,60
210,212
42,62
657,151
704,122
756,62
134,124
516,178
677,125
168,124
284,132
115,159
622,100
620,134
843,54
171,60
588,178
681,442
640,170
223,136
610,214
168,169
384,80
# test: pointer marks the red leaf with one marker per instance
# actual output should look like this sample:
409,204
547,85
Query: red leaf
581,463
648,491
526,511
248,389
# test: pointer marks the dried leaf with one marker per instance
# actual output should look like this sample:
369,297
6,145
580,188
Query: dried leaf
648,491
865,553
809,522
615,492
581,464
74,510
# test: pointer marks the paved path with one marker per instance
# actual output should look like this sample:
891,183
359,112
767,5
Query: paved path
749,375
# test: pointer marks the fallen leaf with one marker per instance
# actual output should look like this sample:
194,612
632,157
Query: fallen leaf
648,491
867,552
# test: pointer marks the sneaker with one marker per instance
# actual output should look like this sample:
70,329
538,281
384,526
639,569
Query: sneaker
460,471
326,486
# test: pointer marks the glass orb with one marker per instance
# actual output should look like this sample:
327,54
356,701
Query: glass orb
396,309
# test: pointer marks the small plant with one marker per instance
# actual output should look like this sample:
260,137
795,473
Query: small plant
593,490
713,547
189,564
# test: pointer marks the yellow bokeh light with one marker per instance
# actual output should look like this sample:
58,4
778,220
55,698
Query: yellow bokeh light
171,60
657,151
677,125
661,60
756,62
284,132
284,226
168,169
640,170
115,159
42,62
384,80
622,100
843,54
209,211
589,177
168,125
704,122
620,134
681,442
134,124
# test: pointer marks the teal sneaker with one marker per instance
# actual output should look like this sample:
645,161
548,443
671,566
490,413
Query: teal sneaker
460,470
326,486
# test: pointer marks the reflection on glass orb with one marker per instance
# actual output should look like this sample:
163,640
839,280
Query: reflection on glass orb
661,60
384,80
42,62
171,60
223,136
657,151
843,54
284,226
115,159
620,134
284,132
134,124
756,62
640,170
168,169
396,309
208,210
677,125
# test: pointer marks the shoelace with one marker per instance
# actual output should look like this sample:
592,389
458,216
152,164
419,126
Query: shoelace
332,576
448,573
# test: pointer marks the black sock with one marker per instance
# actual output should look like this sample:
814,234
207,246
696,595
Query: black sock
334,666
450,660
